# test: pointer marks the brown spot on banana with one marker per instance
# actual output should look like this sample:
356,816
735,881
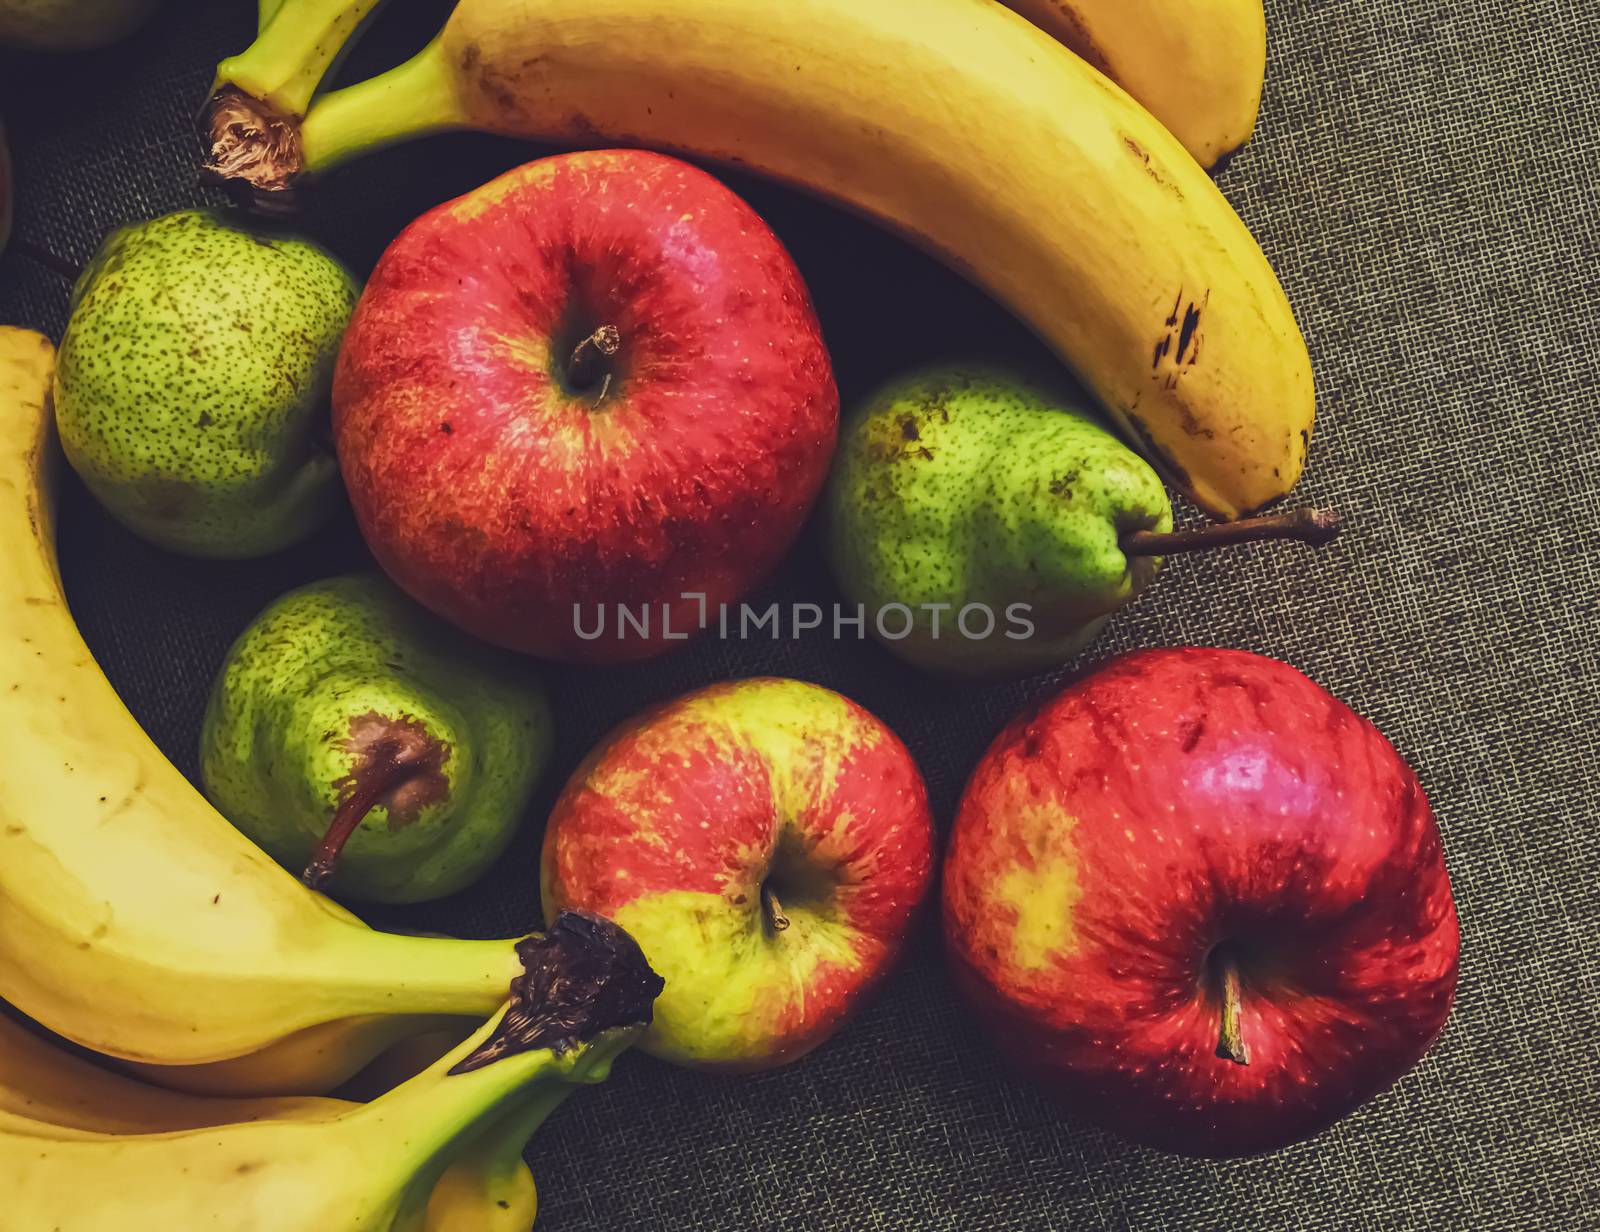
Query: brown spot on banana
1142,155
1191,322
1069,27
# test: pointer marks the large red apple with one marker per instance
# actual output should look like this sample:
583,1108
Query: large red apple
596,380
767,843
1202,902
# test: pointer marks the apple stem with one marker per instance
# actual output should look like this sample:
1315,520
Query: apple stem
1230,1042
1316,527
585,368
773,909
387,771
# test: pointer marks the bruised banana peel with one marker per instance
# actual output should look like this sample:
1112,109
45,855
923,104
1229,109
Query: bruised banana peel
134,919
955,123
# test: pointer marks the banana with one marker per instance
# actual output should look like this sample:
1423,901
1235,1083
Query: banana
49,1092
133,918
1198,65
954,122
364,1166
315,1059
44,1082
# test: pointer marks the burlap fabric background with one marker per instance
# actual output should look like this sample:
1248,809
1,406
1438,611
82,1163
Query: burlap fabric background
1424,180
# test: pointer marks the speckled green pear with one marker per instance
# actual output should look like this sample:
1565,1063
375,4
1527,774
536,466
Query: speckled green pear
69,25
354,736
967,486
194,378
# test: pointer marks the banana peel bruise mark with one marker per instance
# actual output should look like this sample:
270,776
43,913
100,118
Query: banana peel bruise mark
1143,156
1077,36
583,977
1183,329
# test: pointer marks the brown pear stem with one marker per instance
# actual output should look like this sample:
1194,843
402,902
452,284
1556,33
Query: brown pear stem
1316,527
1230,1041
586,367
375,781
773,909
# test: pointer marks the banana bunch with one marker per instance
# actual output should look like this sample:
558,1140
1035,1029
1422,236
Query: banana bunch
49,1093
134,919
971,132
86,1150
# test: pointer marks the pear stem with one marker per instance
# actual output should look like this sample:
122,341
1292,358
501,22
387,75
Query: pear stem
1230,1041
772,909
392,769
1317,527
586,367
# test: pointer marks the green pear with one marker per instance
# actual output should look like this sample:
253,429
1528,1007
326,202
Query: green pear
69,25
1009,523
354,736
193,380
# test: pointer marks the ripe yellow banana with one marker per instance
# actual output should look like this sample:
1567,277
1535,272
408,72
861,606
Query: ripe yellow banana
315,1059
133,918
48,1092
1198,65
376,1166
43,1082
955,122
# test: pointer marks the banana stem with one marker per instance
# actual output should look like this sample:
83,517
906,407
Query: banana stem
1316,527
376,971
446,1105
499,1150
417,97
298,42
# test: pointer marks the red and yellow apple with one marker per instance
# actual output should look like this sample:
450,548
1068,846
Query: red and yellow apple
1202,902
767,843
596,380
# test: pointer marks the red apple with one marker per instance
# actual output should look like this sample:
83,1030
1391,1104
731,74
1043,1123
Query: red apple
1202,902
596,380
767,843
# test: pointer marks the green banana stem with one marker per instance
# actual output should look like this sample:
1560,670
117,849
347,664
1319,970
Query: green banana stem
430,1120
263,149
259,95
415,98
298,42
586,993
434,975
